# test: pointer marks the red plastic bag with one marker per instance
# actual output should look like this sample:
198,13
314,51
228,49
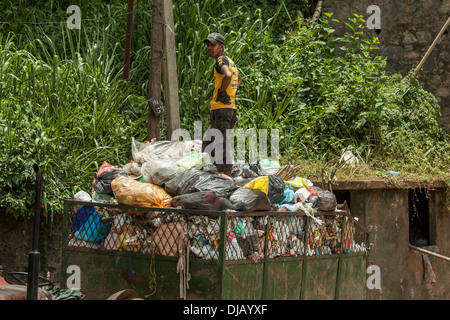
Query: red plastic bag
104,167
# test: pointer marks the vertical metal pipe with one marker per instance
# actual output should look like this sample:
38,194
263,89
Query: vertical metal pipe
341,256
33,256
222,250
265,260
304,263
64,241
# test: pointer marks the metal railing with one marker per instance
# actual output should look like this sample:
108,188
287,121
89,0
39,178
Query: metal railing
227,235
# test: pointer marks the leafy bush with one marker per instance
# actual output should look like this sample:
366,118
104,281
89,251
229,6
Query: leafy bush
327,94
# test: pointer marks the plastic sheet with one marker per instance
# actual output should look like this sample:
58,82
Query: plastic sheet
299,182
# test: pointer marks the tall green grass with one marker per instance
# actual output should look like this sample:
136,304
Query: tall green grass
68,116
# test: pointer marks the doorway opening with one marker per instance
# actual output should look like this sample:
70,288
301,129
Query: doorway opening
342,195
419,217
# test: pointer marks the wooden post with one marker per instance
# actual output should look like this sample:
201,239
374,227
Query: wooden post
170,71
128,35
431,253
156,53
431,47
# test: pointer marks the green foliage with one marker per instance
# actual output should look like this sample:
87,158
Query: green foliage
62,103
280,16
327,94
66,116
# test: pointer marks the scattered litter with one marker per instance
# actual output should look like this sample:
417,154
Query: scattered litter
174,174
349,158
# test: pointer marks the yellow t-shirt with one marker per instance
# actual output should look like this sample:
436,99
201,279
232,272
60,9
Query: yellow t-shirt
231,89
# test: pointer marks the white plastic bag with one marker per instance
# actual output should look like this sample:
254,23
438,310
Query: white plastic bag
160,171
193,159
270,166
164,149
349,158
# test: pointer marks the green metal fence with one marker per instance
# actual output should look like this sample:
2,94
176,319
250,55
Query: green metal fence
167,253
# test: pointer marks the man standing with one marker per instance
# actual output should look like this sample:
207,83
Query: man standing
223,105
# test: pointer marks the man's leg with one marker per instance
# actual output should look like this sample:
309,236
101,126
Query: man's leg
224,119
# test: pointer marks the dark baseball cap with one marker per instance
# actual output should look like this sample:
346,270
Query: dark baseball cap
215,38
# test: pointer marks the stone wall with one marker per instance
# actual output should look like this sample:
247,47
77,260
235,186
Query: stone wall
16,244
408,28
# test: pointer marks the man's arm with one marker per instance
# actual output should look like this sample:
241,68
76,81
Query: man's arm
222,95
239,80
226,80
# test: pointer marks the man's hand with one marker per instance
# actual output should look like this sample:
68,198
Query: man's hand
223,97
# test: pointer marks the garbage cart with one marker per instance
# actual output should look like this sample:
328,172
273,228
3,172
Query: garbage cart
173,253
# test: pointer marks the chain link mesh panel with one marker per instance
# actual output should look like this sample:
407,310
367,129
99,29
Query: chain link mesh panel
247,236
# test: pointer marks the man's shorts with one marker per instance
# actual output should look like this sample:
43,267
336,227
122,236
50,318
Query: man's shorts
221,119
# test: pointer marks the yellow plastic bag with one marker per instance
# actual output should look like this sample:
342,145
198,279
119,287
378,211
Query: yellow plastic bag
125,241
299,182
261,183
134,193
272,185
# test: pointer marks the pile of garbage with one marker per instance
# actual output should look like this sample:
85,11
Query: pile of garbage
176,174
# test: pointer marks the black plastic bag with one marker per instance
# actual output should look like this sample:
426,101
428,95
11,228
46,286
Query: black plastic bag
248,172
195,180
314,200
327,200
209,167
276,188
212,182
180,182
250,200
203,200
102,183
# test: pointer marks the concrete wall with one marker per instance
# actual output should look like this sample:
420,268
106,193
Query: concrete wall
408,28
383,209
